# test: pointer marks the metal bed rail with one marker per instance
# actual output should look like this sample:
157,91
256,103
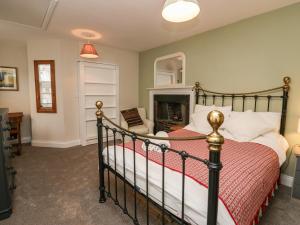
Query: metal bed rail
214,165
203,96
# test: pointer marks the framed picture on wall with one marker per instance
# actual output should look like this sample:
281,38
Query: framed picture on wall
8,78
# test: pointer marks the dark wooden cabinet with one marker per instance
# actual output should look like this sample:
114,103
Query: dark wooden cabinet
15,120
296,186
7,172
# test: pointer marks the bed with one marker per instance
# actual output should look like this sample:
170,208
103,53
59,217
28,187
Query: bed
192,179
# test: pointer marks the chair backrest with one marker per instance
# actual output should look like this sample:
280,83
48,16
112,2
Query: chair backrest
142,113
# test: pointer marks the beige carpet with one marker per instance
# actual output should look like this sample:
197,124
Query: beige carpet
60,187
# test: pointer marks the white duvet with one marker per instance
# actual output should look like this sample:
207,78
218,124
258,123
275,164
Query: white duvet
195,194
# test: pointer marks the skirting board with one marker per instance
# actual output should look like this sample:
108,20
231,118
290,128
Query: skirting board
286,180
55,144
26,140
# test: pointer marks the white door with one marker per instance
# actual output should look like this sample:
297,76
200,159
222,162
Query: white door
97,81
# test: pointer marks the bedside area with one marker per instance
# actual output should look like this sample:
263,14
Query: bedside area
296,186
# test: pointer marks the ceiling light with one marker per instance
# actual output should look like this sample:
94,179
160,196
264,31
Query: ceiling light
89,51
86,34
180,10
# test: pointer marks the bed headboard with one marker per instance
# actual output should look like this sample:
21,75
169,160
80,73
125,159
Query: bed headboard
262,97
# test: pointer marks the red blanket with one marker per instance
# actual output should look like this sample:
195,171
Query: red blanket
250,172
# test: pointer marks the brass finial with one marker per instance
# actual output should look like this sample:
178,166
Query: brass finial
99,112
215,139
287,81
197,86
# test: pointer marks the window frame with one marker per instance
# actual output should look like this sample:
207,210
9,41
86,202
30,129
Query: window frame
39,107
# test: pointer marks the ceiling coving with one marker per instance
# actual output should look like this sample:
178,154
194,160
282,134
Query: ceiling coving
33,13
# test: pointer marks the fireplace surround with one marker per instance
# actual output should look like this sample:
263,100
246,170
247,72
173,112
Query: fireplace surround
170,108
171,112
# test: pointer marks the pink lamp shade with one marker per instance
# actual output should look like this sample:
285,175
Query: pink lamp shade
89,51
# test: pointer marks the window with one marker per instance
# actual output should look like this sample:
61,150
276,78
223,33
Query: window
44,72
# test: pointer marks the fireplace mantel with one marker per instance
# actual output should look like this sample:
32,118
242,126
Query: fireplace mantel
184,90
171,88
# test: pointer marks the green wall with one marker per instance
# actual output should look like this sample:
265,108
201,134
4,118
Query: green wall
249,55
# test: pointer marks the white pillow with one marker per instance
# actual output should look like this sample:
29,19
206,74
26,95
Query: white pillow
199,122
246,126
226,110
273,118
200,108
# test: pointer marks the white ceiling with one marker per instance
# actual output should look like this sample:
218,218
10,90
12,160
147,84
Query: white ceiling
27,12
132,24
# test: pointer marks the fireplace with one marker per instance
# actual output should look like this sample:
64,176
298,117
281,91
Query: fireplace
171,112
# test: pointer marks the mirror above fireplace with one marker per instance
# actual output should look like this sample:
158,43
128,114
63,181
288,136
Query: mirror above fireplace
169,70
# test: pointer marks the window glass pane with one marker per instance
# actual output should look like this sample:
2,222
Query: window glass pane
44,72
45,85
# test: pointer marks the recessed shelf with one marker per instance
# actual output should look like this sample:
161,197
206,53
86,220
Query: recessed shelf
94,107
91,120
97,81
89,138
111,118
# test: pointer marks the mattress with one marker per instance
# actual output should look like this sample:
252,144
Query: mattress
255,173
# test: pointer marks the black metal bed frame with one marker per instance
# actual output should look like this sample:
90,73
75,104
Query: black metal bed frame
205,95
214,165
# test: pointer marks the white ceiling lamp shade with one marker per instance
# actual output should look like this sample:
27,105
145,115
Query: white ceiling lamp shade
178,11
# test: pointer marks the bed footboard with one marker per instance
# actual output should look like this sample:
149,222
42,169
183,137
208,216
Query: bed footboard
214,165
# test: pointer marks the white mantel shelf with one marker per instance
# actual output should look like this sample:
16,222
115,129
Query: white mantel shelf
168,88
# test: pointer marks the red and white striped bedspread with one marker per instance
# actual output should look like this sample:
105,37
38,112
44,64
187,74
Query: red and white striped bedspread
249,175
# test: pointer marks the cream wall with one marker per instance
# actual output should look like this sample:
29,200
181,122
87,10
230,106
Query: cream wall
14,54
62,129
46,127
128,76
249,55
